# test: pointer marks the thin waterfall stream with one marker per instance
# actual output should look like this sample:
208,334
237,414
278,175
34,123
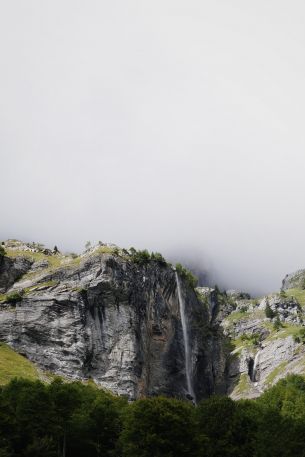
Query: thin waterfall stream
255,365
187,347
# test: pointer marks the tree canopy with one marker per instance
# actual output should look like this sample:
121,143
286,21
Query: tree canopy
76,420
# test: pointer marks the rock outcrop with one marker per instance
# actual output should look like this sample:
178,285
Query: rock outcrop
113,316
11,270
294,280
267,344
103,316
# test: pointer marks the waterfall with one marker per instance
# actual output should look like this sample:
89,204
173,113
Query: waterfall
256,358
187,348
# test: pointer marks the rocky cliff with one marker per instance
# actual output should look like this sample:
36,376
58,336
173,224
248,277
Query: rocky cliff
267,337
115,318
107,317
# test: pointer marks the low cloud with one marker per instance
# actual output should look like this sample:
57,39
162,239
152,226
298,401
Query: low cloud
176,127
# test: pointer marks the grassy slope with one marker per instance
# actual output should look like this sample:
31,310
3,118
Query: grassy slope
243,386
53,260
14,365
299,294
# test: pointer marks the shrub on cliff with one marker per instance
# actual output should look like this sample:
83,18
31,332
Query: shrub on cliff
300,336
157,257
143,257
277,324
269,312
140,257
187,275
13,297
2,251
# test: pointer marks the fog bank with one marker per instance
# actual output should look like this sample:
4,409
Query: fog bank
174,126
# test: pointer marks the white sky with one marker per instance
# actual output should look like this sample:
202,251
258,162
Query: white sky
172,125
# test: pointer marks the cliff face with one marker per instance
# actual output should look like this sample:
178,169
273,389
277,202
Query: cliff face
104,317
11,270
267,341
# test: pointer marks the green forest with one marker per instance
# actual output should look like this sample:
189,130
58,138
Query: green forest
80,420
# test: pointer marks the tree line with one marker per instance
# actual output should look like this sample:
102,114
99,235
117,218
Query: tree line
77,420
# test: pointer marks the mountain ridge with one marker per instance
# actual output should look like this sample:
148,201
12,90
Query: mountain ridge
112,315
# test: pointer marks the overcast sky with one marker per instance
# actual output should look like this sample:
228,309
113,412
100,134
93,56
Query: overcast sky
171,125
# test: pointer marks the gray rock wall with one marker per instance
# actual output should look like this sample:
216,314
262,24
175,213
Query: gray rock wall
118,323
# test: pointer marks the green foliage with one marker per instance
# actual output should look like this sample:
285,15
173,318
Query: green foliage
13,365
253,339
144,257
14,297
236,316
269,312
244,385
229,429
300,336
140,257
114,250
202,298
159,427
2,251
157,257
59,419
303,284
187,275
82,291
298,294
287,397
277,325
276,372
39,286
54,261
77,420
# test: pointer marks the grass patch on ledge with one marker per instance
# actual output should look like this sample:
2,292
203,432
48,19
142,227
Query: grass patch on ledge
72,261
106,250
276,372
28,290
53,260
259,314
243,386
12,297
54,263
13,365
246,341
284,332
298,294
237,316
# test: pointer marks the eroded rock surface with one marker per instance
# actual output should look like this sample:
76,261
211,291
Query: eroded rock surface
104,317
267,344
11,270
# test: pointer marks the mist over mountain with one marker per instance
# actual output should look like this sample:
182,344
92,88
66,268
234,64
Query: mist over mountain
176,127
152,255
